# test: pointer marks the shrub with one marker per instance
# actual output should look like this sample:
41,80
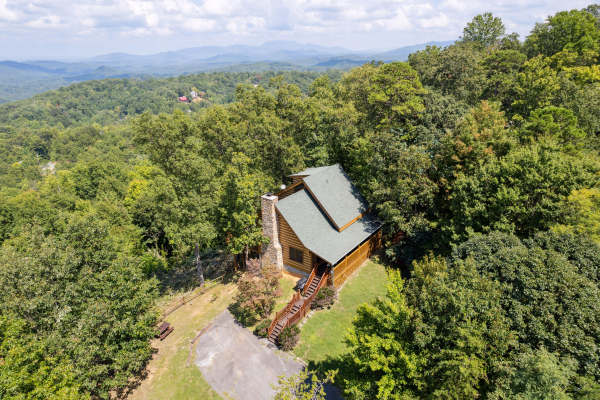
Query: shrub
289,337
253,266
325,297
262,328
256,294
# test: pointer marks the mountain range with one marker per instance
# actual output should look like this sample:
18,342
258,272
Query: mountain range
34,75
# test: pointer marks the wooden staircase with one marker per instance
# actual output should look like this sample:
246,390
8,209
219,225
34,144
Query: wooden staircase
274,336
298,306
312,286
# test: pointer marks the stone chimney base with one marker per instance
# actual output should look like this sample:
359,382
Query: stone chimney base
272,253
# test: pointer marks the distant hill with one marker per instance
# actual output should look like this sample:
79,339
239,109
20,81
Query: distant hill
336,63
101,73
257,53
411,49
277,55
28,67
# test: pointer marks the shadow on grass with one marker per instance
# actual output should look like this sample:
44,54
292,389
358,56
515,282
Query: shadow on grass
380,258
342,364
135,380
242,316
232,277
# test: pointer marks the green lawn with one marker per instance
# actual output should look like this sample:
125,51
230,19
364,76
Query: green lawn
321,337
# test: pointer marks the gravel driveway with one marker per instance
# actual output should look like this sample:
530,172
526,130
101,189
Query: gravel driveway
240,365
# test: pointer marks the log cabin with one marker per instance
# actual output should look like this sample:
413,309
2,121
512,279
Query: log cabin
319,220
321,227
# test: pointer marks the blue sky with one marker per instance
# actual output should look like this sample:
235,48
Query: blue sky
77,29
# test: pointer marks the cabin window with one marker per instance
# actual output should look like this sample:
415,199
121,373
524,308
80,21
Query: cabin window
296,255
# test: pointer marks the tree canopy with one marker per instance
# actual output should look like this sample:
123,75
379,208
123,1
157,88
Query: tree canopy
481,158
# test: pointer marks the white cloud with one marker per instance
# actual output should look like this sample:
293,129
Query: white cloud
7,14
350,23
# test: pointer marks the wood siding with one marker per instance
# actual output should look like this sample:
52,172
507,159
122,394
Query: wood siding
352,261
288,238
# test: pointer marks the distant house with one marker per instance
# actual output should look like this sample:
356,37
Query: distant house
193,94
320,227
183,99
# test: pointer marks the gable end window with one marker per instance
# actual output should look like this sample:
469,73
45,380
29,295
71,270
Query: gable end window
296,255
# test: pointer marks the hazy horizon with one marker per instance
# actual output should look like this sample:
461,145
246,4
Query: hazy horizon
82,29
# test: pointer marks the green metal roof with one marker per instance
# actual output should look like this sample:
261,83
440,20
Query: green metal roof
310,171
335,192
316,231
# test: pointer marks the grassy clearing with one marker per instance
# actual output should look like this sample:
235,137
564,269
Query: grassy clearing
167,375
321,343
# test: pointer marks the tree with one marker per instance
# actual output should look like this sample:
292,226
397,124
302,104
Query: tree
398,185
104,319
29,369
330,126
425,61
395,94
536,375
556,123
355,88
583,215
484,30
536,87
477,140
175,146
240,205
549,283
522,193
573,30
442,113
302,386
384,363
454,70
441,335
501,69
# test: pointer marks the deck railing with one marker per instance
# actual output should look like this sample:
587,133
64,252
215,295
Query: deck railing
352,261
301,312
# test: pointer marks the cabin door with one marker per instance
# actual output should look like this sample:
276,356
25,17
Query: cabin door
320,264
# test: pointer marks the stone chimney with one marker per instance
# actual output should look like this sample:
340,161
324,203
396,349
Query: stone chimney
271,253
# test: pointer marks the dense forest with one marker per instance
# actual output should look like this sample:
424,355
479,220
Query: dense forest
482,158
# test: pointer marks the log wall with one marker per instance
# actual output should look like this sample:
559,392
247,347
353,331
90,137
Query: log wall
288,238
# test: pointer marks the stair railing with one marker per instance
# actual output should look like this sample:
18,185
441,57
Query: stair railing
301,313
308,282
283,312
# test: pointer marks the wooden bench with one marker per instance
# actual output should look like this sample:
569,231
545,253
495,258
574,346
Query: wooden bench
164,329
